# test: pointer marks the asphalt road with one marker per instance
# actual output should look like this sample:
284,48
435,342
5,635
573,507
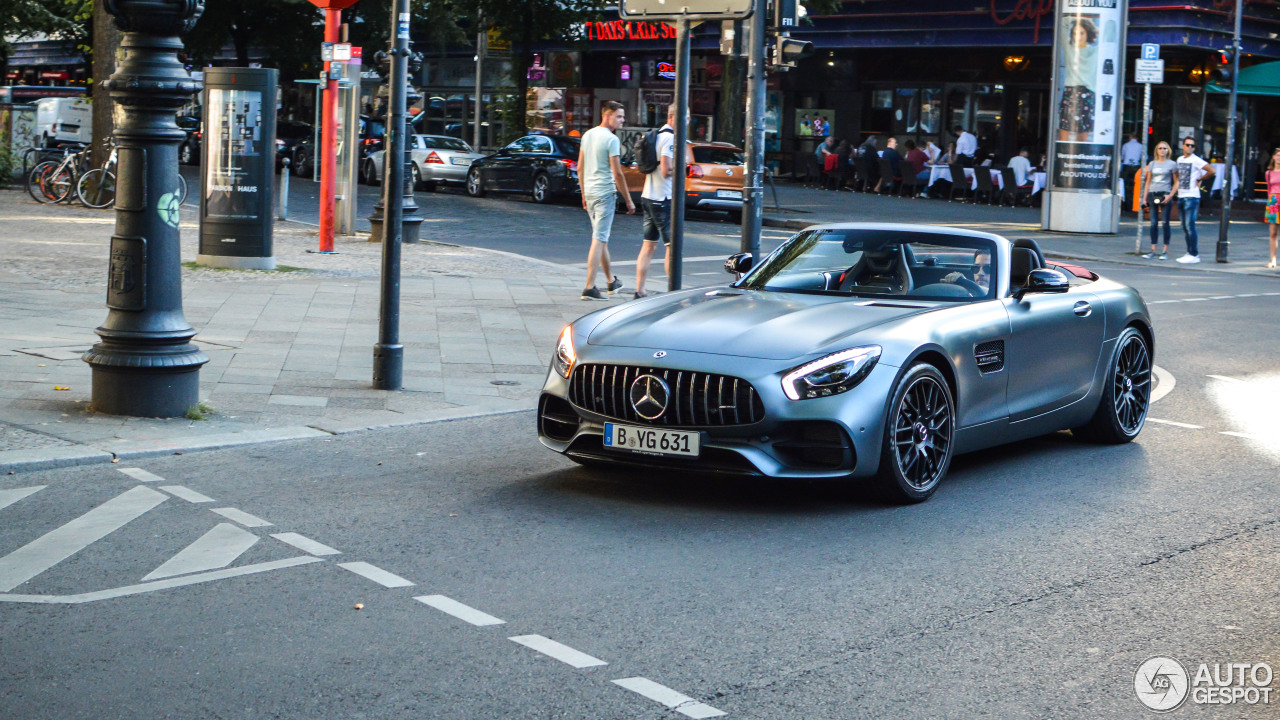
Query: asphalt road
1032,585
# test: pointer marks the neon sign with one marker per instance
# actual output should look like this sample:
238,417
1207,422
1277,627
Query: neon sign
1032,10
629,30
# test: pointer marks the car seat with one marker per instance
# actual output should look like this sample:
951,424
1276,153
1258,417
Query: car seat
881,271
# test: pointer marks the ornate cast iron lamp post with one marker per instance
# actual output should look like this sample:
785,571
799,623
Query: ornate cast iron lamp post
145,364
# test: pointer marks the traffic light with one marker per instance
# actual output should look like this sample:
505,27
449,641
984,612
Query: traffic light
786,51
1221,73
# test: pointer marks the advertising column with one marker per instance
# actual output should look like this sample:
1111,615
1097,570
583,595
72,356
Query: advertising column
1088,89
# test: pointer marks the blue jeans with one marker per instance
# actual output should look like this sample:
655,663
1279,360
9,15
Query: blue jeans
1189,207
1156,209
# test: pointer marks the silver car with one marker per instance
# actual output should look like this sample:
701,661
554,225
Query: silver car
436,159
873,351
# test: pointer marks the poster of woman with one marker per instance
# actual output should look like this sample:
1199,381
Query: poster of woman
1078,106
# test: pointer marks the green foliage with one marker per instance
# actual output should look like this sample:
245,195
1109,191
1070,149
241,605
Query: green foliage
287,32
199,411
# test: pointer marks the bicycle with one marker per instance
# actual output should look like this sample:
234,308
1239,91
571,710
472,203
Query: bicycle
97,188
51,182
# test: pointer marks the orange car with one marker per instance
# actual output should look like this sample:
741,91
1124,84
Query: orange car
713,181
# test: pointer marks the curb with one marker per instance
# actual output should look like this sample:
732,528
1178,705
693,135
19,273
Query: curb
15,461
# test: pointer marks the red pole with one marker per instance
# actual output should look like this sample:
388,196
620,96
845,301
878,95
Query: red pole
329,136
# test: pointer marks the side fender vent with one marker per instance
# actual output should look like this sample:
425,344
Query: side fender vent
989,356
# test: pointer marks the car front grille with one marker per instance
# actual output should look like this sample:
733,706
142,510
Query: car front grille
696,399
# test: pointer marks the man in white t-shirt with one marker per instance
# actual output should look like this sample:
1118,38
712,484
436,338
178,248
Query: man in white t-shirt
600,179
966,146
655,202
1021,167
1192,170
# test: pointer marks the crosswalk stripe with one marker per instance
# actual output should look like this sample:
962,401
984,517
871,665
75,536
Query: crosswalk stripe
186,493
376,574
559,651
9,497
305,544
57,545
460,611
241,517
214,550
141,475
677,701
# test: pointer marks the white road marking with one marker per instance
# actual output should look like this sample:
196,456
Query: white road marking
61,543
679,702
458,610
629,263
162,584
561,652
1246,436
1194,299
1224,378
214,550
1162,302
1223,297
186,493
376,574
9,497
305,544
1166,384
1175,424
241,517
141,475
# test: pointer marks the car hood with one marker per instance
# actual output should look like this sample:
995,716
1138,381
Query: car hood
746,323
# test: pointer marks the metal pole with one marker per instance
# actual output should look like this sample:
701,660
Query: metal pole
681,143
284,189
145,364
481,41
753,189
329,137
1146,123
388,354
1224,245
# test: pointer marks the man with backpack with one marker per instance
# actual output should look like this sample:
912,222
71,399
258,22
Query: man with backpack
656,160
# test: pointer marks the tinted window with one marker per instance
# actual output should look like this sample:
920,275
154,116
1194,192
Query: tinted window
523,145
717,156
443,143
569,146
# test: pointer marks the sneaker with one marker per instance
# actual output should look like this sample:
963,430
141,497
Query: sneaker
1163,256
1148,256
1188,259
593,293
614,285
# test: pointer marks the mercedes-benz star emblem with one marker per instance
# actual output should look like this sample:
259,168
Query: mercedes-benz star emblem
649,395
660,354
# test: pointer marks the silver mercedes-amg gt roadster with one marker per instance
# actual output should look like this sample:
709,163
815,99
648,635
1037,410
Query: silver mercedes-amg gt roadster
855,350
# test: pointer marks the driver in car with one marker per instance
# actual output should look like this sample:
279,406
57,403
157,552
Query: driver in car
981,274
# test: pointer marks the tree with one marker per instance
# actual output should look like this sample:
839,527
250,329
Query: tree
106,39
24,18
287,32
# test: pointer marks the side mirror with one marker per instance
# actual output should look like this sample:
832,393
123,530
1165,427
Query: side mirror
1044,280
739,264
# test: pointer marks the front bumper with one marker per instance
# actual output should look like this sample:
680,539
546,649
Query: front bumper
832,437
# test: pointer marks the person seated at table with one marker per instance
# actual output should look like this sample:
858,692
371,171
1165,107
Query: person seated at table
918,159
1021,167
895,162
933,151
980,283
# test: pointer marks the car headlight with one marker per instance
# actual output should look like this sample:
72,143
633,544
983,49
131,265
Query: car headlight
565,355
831,375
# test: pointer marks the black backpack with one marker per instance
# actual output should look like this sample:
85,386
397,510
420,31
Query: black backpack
646,151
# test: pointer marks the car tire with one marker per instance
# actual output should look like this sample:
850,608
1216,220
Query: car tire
542,189
302,165
186,155
1126,397
415,176
919,436
430,186
475,188
735,217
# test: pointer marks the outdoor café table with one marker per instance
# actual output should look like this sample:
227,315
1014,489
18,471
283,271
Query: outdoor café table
943,172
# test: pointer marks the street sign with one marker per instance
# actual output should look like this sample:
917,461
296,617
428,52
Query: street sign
326,52
342,52
687,9
1150,51
496,45
1148,72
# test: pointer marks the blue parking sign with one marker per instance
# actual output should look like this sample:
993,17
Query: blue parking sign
1150,51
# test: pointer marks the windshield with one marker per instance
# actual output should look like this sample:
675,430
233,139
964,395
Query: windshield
866,262
718,156
445,143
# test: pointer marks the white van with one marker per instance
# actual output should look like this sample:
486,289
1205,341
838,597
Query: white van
64,120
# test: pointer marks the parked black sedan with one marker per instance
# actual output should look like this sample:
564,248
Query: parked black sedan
542,166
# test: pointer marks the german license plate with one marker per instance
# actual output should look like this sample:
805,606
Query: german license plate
460,161
729,194
651,441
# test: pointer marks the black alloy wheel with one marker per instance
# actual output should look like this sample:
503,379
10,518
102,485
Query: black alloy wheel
1122,411
475,188
919,435
186,154
302,165
541,189
417,176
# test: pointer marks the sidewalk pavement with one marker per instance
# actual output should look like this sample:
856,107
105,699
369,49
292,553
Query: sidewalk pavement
291,350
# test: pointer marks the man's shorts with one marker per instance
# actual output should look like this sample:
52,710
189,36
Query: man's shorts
600,209
657,220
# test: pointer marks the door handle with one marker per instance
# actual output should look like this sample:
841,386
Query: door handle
1083,309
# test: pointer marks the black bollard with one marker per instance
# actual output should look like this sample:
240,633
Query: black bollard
145,364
